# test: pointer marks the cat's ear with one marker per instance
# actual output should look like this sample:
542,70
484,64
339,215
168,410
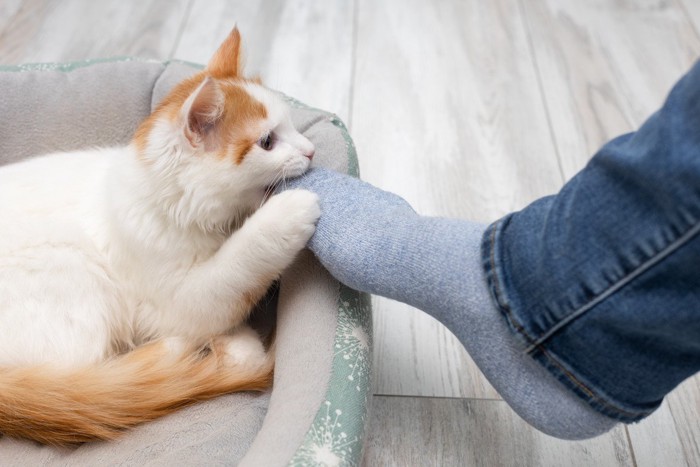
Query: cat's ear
226,62
201,112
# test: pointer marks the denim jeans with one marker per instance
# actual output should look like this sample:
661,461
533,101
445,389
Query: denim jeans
602,280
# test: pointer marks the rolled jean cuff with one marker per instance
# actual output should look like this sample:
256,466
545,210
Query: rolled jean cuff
602,280
563,369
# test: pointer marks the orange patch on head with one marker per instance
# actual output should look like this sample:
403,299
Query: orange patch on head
168,108
241,121
235,130
232,135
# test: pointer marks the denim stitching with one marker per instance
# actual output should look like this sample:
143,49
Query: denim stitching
654,260
537,344
505,308
589,392
519,329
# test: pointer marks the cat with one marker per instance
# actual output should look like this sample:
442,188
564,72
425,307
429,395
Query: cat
127,274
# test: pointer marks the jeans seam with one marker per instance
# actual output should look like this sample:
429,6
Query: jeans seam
503,305
538,345
519,329
590,393
617,286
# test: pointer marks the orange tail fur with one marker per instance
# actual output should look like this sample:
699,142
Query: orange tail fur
60,407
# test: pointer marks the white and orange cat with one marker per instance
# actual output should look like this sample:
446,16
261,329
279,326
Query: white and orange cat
126,274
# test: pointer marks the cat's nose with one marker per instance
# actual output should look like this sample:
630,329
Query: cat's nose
310,153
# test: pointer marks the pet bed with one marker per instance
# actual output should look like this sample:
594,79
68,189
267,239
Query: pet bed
315,412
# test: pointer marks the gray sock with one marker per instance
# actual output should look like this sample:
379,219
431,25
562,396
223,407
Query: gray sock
374,241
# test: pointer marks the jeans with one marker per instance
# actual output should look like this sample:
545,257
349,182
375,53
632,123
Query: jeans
608,270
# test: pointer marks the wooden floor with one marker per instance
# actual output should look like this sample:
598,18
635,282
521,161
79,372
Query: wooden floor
467,108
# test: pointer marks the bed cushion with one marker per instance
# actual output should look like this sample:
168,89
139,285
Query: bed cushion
315,413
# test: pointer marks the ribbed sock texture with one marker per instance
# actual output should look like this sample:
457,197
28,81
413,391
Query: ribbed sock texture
373,241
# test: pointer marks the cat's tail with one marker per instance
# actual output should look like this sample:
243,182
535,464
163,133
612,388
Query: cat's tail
99,402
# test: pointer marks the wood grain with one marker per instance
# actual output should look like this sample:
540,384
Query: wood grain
671,435
605,66
692,9
9,10
452,432
43,31
447,114
303,48
447,110
684,404
417,355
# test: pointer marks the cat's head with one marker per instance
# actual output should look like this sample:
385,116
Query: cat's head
221,139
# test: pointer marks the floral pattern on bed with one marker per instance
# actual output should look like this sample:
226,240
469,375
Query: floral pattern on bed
336,435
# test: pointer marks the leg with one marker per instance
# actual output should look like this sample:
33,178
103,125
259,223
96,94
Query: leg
598,284
373,241
601,282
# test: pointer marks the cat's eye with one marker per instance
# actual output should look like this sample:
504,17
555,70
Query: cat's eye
266,142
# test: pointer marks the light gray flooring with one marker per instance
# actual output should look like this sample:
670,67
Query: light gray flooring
467,108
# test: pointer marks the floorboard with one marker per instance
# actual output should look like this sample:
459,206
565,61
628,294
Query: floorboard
447,114
42,31
671,435
605,66
453,432
302,48
415,354
692,10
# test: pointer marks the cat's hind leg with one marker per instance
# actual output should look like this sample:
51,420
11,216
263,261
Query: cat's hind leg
242,348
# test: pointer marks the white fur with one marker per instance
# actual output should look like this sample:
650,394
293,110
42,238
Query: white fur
104,249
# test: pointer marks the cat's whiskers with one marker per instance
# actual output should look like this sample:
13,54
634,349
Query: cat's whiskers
283,178
272,186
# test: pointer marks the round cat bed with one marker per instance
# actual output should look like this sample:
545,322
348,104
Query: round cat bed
315,412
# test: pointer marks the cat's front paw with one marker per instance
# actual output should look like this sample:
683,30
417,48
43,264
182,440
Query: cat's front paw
292,217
